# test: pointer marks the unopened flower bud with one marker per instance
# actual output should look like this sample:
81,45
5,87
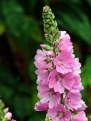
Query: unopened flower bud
47,47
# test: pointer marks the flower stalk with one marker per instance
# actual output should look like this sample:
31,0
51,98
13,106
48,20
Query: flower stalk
58,72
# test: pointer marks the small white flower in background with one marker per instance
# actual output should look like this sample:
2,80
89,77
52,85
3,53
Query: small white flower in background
8,116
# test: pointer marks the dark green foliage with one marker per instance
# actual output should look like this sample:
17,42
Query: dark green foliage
77,26
21,32
86,72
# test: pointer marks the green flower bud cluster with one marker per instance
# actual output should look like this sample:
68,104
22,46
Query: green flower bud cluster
50,25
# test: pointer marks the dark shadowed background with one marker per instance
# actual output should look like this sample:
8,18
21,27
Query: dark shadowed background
21,32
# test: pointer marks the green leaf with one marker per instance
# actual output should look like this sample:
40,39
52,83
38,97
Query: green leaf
1,104
2,27
22,105
32,4
86,73
34,30
5,92
16,21
32,69
89,117
20,27
89,2
77,23
1,114
7,77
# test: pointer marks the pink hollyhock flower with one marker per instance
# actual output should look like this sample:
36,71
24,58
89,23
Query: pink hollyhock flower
59,113
55,81
65,43
77,66
42,75
81,116
64,62
39,106
40,59
48,95
43,60
82,108
72,82
73,100
8,116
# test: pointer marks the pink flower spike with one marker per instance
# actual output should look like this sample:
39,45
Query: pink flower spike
58,81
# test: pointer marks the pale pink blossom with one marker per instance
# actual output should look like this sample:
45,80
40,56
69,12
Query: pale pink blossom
39,106
77,66
80,116
43,60
59,113
73,100
64,62
55,81
65,43
40,59
8,116
48,95
42,75
72,82
82,108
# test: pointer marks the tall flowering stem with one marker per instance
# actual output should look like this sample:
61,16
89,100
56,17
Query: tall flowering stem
58,75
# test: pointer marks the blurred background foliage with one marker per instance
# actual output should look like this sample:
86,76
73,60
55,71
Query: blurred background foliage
21,32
